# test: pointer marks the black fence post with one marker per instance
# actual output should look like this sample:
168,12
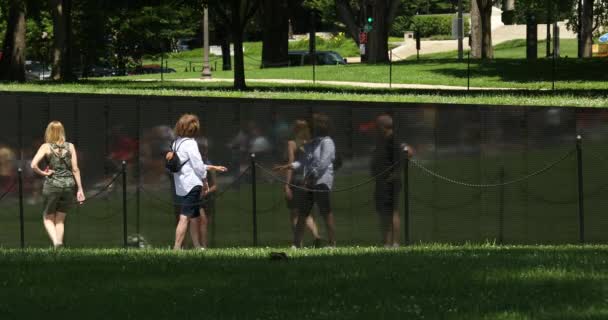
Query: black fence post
162,63
254,205
468,70
406,196
501,208
553,73
21,218
581,199
390,69
124,203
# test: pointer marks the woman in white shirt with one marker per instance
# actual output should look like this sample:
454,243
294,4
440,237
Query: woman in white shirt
190,179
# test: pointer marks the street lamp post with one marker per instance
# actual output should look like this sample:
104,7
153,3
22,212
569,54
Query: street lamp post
206,69
43,53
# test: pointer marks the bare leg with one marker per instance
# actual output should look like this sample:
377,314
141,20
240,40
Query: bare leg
59,227
204,229
195,233
396,228
386,229
331,229
180,232
299,232
49,225
312,226
294,220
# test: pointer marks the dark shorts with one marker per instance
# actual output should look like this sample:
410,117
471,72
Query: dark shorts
191,203
58,199
291,204
387,196
305,200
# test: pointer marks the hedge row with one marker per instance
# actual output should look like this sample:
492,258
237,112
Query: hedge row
427,25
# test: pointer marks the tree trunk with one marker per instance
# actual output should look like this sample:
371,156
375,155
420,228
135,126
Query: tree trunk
237,36
383,13
481,29
275,16
377,43
531,38
62,66
346,15
12,63
475,31
587,29
226,57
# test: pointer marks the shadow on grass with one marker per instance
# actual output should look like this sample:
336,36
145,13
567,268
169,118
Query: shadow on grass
524,71
430,283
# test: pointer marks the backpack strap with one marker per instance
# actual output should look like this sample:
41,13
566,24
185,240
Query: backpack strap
177,148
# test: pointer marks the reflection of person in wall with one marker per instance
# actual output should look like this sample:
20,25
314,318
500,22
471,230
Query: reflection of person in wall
208,195
295,152
318,176
189,181
62,180
388,184
7,168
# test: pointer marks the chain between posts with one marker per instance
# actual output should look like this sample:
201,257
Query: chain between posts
548,167
216,196
283,181
8,190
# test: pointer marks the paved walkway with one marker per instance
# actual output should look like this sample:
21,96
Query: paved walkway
349,84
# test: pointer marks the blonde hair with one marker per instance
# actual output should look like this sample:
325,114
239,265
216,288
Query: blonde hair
188,126
55,133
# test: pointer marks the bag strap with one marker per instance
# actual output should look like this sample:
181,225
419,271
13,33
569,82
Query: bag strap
179,145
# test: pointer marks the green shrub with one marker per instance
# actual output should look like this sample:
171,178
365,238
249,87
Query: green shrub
432,25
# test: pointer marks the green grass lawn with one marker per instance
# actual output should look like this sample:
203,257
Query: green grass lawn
509,69
578,83
420,282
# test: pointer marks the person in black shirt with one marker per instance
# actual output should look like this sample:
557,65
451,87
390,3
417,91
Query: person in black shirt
388,183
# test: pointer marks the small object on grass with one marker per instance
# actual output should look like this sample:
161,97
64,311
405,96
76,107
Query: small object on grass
278,256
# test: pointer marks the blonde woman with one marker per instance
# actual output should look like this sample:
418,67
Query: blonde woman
295,152
61,180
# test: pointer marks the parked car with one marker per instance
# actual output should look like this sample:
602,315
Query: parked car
302,58
36,71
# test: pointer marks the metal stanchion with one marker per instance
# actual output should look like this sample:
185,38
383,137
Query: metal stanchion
390,69
254,201
501,208
406,197
581,199
124,203
468,70
21,218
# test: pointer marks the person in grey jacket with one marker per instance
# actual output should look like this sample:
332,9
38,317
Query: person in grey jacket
316,167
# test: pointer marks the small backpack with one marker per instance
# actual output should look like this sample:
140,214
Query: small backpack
172,161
